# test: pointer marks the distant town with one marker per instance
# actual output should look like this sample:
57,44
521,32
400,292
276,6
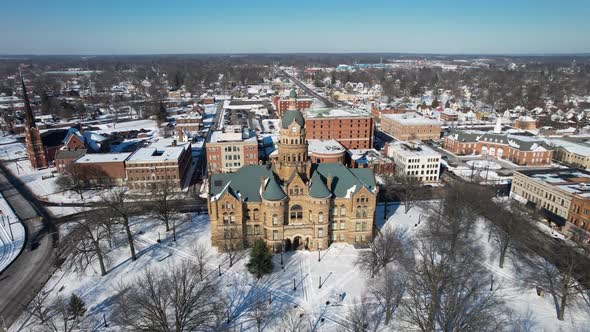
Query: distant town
295,192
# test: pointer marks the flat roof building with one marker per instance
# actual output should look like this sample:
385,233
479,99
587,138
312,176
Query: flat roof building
410,126
415,160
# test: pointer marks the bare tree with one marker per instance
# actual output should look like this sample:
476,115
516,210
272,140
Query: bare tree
392,244
558,281
174,300
259,313
449,293
162,207
116,200
54,315
87,242
202,258
359,318
508,228
389,288
233,244
293,321
406,189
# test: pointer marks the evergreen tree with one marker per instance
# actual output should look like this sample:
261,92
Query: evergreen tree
435,104
260,259
76,307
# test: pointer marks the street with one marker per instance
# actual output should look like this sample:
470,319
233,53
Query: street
21,281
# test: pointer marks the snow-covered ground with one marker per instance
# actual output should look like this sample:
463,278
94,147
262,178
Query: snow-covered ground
484,164
343,284
150,125
12,234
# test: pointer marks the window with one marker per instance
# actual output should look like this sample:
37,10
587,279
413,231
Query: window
296,212
320,232
335,211
275,235
343,211
225,218
232,218
357,227
358,211
320,217
342,225
275,220
256,230
364,225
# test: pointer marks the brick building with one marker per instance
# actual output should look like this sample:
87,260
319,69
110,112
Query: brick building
65,157
282,104
231,148
410,126
33,142
377,112
293,203
353,132
562,196
525,123
162,161
521,150
105,167
188,126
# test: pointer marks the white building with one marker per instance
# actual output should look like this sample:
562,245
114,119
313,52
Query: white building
415,160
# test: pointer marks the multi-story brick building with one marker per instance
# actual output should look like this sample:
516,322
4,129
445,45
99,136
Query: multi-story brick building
105,167
377,112
231,148
410,126
33,142
415,160
188,126
525,123
164,161
352,130
293,203
282,104
562,195
521,150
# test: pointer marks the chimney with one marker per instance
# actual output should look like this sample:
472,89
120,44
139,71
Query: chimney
329,182
262,179
174,143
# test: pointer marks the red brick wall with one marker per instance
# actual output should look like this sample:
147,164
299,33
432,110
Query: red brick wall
352,133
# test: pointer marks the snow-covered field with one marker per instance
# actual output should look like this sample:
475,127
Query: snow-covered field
150,125
12,234
484,164
343,283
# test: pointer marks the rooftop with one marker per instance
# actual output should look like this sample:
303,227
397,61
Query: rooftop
103,158
412,119
413,149
324,146
570,180
336,112
161,150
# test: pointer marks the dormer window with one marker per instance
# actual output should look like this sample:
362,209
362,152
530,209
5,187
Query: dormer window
294,129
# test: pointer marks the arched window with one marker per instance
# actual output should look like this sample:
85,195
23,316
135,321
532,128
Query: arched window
225,218
296,212
275,219
365,211
343,211
288,157
255,214
320,217
358,211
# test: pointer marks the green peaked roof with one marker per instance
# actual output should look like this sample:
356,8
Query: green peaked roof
318,188
291,115
273,191
293,93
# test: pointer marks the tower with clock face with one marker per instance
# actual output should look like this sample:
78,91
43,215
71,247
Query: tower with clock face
292,144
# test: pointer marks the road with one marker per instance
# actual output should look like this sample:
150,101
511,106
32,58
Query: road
21,281
309,91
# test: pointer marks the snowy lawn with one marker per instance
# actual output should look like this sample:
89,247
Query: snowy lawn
342,284
12,234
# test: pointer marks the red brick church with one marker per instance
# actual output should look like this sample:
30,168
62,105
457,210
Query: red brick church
33,142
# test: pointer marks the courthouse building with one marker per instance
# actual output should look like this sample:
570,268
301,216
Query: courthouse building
292,203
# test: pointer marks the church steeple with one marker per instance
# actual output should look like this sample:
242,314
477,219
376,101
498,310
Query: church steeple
33,141
29,117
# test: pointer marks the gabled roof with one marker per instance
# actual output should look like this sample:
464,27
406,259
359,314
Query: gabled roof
245,183
344,179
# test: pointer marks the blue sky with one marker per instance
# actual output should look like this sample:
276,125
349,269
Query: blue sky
250,26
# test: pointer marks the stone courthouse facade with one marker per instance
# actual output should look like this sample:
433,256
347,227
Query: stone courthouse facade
293,203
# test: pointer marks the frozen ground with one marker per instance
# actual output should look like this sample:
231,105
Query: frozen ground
12,234
342,283
484,164
150,125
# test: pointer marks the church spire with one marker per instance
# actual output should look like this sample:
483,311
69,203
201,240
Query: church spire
29,118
